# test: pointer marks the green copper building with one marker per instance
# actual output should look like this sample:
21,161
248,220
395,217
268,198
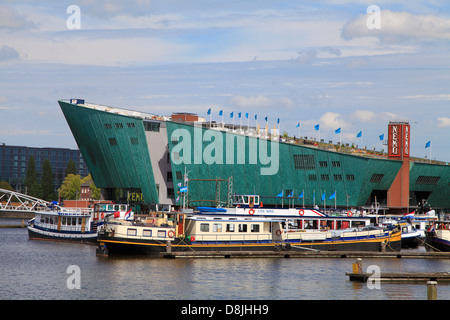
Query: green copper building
150,159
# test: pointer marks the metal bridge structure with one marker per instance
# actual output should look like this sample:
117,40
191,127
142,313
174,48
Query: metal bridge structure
12,201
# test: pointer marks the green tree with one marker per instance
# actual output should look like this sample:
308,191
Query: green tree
71,168
31,180
5,185
71,187
48,187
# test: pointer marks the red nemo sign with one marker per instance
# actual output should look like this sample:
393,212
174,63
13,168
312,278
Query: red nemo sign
398,140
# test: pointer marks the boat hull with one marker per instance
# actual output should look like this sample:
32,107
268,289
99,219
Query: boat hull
435,243
116,245
38,234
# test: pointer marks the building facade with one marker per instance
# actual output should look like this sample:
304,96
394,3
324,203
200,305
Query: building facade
151,159
14,162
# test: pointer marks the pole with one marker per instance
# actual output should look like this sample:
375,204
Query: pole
432,290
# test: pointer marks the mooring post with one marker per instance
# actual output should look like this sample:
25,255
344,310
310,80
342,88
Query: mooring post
432,290
357,267
168,246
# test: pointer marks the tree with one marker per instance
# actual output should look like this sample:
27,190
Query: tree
5,185
31,182
71,168
71,187
48,187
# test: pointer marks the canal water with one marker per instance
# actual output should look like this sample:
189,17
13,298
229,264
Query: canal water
33,269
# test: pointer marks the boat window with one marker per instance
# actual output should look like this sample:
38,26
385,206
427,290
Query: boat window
131,232
311,224
74,221
242,227
254,228
230,227
204,227
63,221
79,221
147,233
161,233
46,220
217,227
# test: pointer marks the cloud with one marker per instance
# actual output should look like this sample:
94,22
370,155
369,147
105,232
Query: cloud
396,26
259,101
332,120
11,20
311,55
364,115
436,97
443,122
8,53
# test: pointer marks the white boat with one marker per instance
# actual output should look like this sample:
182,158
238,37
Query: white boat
74,224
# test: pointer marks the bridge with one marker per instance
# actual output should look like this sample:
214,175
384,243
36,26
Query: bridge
12,201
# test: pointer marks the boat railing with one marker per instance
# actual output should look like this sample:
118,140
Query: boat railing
243,237
75,211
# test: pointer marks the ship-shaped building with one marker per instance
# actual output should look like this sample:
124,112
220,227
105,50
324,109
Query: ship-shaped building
183,160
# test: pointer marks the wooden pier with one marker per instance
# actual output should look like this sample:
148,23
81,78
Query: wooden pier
305,254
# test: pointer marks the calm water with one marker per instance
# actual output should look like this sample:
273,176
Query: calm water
32,269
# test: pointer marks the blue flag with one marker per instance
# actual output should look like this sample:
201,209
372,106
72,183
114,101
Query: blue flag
428,144
183,189
220,112
316,127
359,135
278,121
291,194
301,195
239,114
231,115
323,196
298,125
382,137
337,130
332,196
209,111
256,117
246,115
280,194
265,119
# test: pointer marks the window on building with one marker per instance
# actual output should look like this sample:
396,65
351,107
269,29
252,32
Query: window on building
350,177
305,162
151,126
323,164
428,180
376,178
325,177
336,164
337,177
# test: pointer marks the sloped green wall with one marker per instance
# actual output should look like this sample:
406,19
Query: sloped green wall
120,165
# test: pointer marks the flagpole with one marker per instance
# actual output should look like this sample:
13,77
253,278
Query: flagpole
430,151
335,196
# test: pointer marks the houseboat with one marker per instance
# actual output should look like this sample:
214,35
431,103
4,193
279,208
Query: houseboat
245,227
438,236
74,224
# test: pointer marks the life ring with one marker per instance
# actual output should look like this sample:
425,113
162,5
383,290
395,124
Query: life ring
251,212
278,232
171,234
349,213
103,215
301,212
192,238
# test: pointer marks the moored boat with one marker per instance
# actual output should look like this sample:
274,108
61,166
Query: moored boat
73,224
245,228
438,236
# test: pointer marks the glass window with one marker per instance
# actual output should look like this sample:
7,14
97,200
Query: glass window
242,227
147,233
254,228
204,227
217,227
230,227
131,232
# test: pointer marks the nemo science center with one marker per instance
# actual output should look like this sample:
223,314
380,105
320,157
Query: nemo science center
182,161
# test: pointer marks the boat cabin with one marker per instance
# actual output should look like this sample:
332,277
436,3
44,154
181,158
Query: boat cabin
246,201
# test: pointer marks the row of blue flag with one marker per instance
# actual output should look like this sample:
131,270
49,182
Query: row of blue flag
240,115
316,127
291,195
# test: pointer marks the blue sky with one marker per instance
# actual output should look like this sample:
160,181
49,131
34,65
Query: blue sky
300,61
